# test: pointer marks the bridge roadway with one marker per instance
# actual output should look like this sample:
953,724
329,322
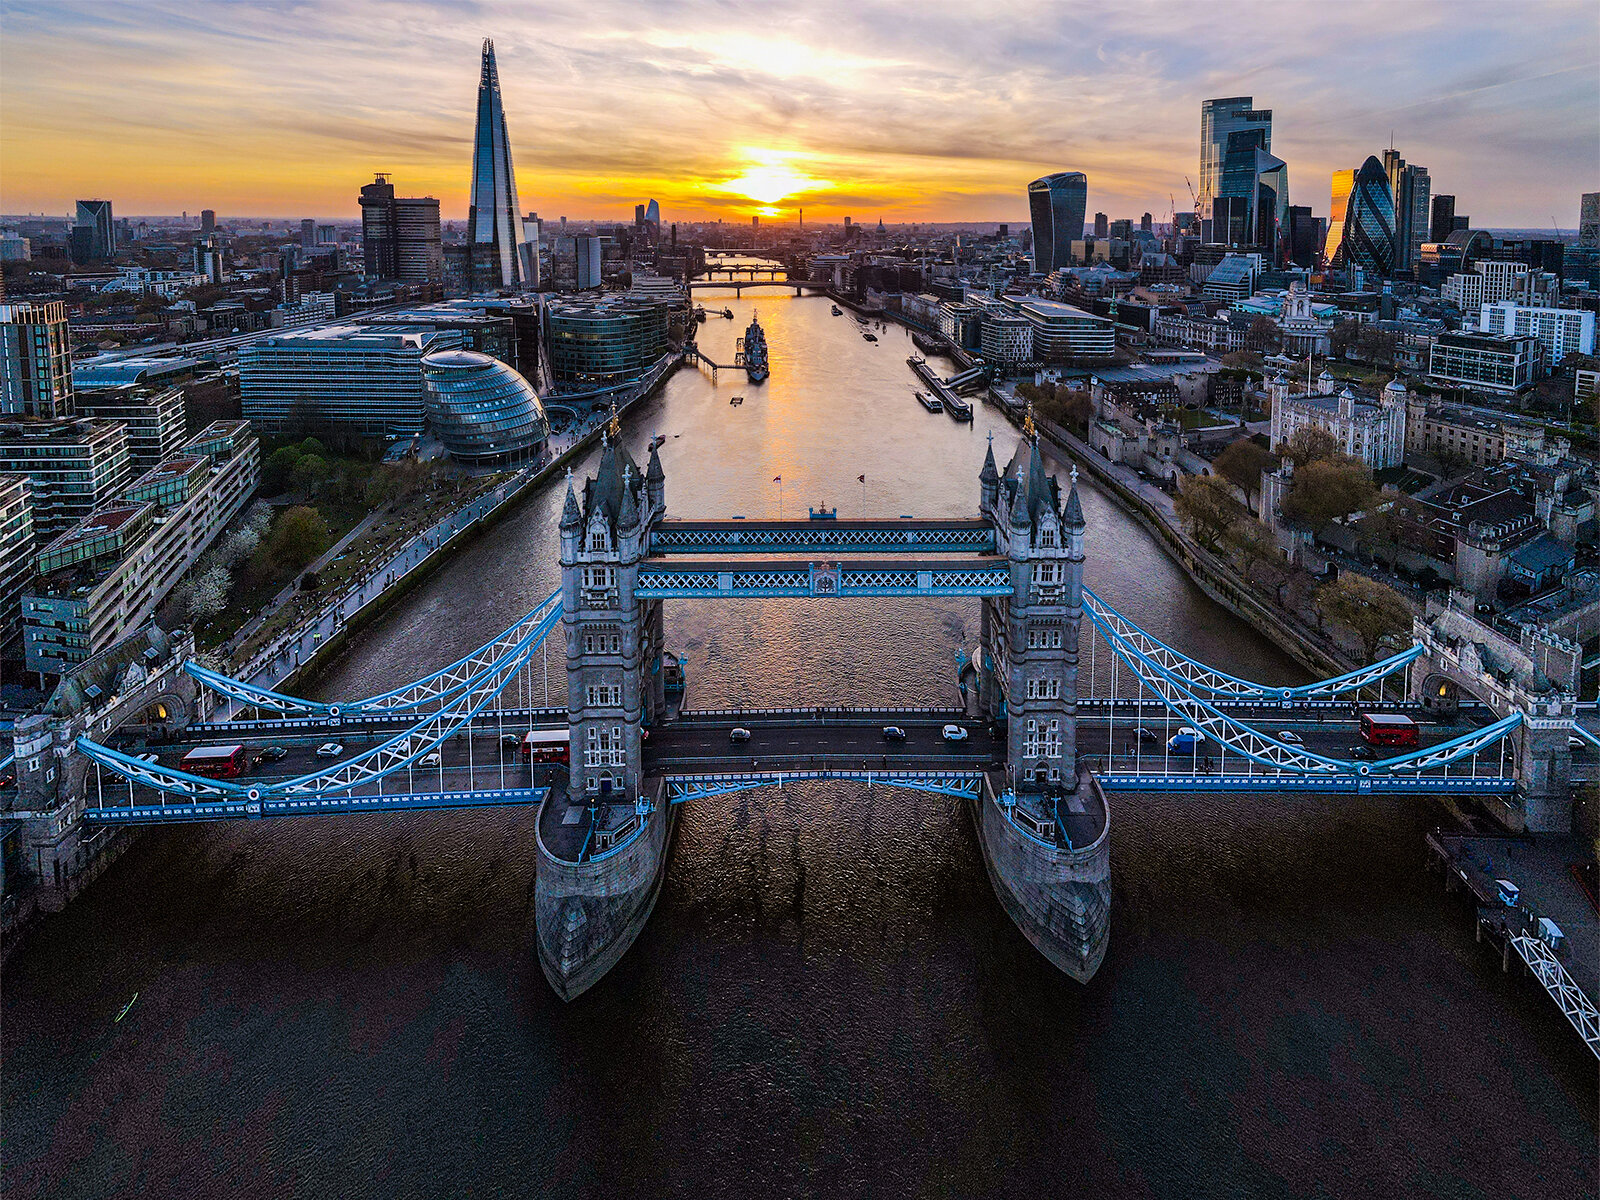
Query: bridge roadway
780,742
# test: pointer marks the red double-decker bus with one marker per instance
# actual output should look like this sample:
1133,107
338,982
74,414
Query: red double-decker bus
1382,729
547,745
215,762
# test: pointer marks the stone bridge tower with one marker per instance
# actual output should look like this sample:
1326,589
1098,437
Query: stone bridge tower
1029,670
614,641
1536,676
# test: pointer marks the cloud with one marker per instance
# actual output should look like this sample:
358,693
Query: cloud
919,111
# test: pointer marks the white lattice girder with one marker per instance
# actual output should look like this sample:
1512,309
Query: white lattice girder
1563,989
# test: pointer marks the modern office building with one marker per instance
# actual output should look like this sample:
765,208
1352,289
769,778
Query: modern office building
1102,227
1562,331
1494,280
400,236
588,251
1589,221
16,552
208,221
1305,236
1252,206
364,379
106,576
604,341
1006,337
1056,204
1234,278
495,235
1361,233
1486,362
75,465
1410,188
481,409
153,417
1064,332
652,215
308,234
1442,218
1220,120
101,239
35,360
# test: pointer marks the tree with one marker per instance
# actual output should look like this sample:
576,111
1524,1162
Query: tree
299,536
1242,464
312,446
210,593
1377,345
309,473
1204,505
1255,544
275,471
1309,444
1341,337
1370,610
1264,335
1325,490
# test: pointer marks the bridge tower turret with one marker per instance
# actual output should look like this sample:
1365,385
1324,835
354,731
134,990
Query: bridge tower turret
613,639
1030,638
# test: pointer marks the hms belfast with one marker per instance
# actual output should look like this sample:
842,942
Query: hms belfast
604,837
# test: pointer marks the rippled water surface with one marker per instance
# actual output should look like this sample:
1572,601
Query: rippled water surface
828,999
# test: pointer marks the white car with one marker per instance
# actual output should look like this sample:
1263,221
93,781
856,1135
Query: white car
1575,743
955,733
329,750
156,758
1290,736
430,759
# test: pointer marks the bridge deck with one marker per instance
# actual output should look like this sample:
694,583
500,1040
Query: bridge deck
881,536
955,576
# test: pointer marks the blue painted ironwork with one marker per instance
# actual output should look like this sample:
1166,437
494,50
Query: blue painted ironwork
437,688
729,580
684,788
1220,684
822,536
1126,781
310,806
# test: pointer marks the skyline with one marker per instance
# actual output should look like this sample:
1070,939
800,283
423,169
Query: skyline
908,114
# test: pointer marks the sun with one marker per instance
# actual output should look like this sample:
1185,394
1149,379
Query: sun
769,178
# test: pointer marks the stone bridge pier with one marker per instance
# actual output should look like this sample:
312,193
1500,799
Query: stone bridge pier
137,682
1536,676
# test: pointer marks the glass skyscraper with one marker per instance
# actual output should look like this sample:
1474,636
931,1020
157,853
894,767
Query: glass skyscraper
1056,205
495,236
1361,232
1219,120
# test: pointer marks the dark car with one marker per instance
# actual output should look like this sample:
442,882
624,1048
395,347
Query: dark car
893,733
511,740
1362,751
738,734
272,754
1148,736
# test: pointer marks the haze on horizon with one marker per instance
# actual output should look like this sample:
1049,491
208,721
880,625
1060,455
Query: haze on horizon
719,108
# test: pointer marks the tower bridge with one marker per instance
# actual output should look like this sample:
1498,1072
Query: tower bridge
1042,749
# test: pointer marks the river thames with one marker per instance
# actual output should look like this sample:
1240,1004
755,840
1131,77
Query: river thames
828,1001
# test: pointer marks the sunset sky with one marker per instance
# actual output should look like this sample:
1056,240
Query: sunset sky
906,111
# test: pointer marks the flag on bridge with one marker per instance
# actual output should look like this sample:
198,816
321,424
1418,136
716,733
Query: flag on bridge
861,478
777,479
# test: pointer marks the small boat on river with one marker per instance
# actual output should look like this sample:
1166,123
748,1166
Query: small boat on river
931,403
958,408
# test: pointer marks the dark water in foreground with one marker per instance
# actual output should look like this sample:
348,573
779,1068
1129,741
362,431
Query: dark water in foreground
828,1000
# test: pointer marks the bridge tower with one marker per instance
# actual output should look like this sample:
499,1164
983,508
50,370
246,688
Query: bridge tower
614,641
1029,672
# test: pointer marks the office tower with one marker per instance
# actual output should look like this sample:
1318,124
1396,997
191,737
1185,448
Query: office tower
16,551
494,220
326,235
652,214
208,221
35,360
1055,208
1102,226
400,236
587,248
1219,120
755,222
95,216
308,234
1589,220
1361,229
638,215
1145,224
1441,219
1409,186
208,258
1122,229
1303,236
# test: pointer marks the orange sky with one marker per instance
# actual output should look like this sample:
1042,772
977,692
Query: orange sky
862,109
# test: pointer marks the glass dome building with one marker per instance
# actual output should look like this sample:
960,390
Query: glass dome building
480,408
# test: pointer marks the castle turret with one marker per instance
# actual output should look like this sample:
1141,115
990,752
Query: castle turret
655,484
988,481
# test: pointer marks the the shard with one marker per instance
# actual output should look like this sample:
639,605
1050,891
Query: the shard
501,255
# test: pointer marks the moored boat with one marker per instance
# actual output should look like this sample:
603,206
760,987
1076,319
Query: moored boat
931,403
